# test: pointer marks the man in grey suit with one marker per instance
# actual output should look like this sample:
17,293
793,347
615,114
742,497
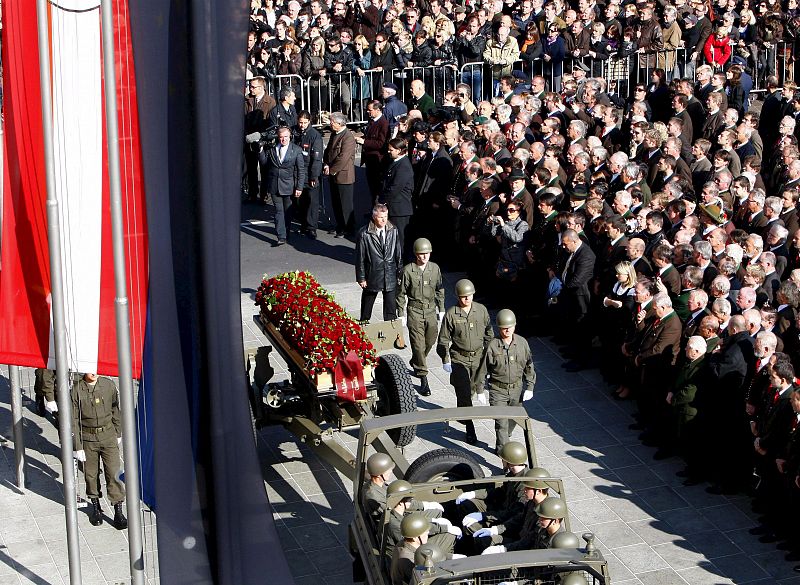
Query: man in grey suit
285,170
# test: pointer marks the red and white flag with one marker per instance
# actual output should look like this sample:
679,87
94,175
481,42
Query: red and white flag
81,185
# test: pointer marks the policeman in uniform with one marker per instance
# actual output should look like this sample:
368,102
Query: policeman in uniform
465,332
508,362
421,282
97,434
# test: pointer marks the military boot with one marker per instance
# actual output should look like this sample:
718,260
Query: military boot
424,388
471,437
95,512
120,522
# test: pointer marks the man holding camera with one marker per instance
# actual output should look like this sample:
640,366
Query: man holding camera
257,107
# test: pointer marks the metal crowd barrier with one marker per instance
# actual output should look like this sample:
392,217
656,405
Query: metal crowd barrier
349,91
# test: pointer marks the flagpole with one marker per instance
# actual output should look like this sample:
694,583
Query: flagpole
18,419
129,442
63,388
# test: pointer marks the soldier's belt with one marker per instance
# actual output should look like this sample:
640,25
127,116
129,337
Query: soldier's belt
461,352
421,305
94,430
504,386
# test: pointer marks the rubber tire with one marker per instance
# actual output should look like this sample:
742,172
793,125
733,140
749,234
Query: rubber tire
398,394
452,463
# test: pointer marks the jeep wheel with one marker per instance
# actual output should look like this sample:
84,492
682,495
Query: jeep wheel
396,395
444,465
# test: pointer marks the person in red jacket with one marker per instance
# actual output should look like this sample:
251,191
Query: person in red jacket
718,48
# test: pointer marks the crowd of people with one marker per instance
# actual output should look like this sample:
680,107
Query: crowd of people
657,226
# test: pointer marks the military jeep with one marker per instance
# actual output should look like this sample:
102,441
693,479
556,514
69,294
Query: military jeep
441,475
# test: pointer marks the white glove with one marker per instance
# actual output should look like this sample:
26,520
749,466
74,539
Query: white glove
471,519
482,398
80,455
527,395
404,320
493,550
51,407
485,532
455,531
458,556
432,506
440,317
448,367
441,521
465,496
252,137
119,441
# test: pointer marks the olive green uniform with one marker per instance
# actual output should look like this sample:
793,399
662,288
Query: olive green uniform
402,567
437,534
498,504
507,365
462,340
375,503
425,292
96,425
44,384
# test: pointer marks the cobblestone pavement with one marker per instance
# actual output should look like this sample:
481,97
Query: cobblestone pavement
652,529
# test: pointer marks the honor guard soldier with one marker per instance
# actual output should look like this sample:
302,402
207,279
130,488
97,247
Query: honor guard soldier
97,433
421,282
465,332
414,529
44,387
508,363
441,532
552,512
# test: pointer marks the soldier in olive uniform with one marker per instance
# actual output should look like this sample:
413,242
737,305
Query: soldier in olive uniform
379,468
414,529
44,387
97,430
519,531
465,331
508,362
442,533
484,508
421,282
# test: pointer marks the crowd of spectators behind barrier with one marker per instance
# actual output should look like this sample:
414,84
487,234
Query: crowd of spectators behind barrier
658,226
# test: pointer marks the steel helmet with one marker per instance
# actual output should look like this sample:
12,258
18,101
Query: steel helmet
422,246
428,551
379,463
398,486
414,525
573,579
514,453
534,478
565,540
506,318
552,509
464,287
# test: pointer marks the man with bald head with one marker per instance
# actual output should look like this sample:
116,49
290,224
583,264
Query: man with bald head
642,266
746,299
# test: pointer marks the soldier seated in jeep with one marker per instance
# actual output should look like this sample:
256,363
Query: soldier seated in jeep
415,530
519,532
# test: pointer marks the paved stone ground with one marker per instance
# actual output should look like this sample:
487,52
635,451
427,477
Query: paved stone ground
652,529
33,541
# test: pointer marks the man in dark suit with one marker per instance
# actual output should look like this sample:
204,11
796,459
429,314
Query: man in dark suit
398,187
715,121
575,277
340,166
659,346
378,263
373,147
285,169
771,114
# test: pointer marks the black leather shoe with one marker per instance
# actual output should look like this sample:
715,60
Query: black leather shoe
471,438
424,388
120,522
95,512
278,243
40,406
